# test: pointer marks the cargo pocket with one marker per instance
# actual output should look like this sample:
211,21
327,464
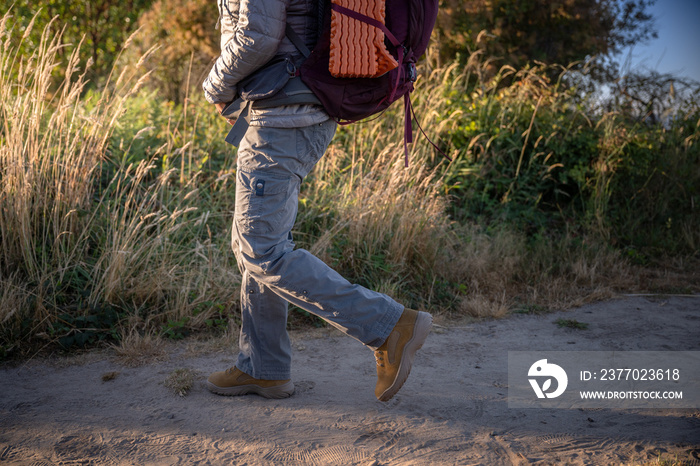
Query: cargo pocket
264,204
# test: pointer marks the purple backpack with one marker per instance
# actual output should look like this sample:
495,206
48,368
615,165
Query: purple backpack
407,29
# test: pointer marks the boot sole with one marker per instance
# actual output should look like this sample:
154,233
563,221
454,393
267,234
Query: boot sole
420,333
280,391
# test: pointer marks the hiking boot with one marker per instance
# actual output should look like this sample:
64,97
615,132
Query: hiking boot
395,356
233,381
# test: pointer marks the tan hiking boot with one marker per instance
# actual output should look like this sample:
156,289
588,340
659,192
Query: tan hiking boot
233,381
395,356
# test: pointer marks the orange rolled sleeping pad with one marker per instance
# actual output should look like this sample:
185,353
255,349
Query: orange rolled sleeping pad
357,48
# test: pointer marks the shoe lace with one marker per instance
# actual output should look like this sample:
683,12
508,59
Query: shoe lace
379,356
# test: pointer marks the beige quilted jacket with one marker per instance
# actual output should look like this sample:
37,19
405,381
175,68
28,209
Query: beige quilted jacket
253,33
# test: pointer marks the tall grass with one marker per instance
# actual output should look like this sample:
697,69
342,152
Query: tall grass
90,244
51,150
115,207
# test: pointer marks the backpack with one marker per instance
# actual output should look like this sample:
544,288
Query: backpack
407,27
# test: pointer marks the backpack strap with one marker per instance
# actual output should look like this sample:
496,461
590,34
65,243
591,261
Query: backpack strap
366,19
412,116
297,41
401,51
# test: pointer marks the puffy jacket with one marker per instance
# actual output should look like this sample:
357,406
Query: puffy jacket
252,34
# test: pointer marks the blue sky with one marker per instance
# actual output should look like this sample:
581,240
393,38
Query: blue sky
677,50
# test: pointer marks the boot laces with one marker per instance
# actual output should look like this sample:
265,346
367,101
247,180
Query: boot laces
379,356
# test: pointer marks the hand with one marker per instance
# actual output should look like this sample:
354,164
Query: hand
220,106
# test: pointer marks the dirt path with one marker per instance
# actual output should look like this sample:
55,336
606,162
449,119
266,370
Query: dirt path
452,410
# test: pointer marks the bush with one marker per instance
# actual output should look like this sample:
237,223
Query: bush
186,43
536,155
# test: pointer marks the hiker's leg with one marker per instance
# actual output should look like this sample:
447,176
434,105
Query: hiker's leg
264,347
271,165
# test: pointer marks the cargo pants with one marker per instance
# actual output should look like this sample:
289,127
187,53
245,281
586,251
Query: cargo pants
272,162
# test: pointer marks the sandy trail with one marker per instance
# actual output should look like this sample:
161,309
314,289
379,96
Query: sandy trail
452,410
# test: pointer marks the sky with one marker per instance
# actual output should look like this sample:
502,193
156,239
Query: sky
677,49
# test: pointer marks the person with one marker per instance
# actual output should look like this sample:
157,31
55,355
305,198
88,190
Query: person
281,143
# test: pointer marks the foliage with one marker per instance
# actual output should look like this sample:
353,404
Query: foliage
183,31
525,150
537,156
652,97
83,330
653,194
183,136
572,324
101,26
522,32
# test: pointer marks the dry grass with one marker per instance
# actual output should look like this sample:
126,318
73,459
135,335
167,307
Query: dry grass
71,241
136,350
481,306
52,150
180,381
397,236
13,297
380,208
501,273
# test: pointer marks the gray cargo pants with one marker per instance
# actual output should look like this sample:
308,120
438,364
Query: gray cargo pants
272,162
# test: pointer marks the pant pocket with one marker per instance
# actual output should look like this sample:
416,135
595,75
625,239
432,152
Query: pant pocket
264,204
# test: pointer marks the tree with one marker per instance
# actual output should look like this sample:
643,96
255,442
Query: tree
102,25
653,97
549,31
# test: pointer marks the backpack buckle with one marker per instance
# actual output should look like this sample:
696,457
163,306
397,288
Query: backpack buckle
292,69
412,72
